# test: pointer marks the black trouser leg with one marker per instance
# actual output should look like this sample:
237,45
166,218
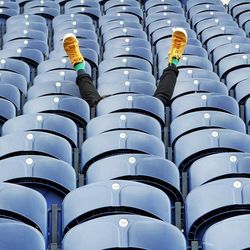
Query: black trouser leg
87,90
166,85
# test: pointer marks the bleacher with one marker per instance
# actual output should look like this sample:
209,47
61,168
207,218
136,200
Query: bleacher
130,173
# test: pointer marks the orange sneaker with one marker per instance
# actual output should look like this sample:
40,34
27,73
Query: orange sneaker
71,47
179,41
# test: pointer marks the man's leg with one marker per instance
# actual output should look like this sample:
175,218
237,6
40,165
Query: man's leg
87,90
168,79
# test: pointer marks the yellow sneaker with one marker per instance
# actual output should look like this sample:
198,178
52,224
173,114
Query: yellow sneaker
71,47
179,41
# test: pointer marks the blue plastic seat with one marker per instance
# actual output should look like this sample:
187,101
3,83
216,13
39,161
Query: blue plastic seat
57,64
233,62
119,142
207,15
94,13
195,145
15,204
237,75
162,23
10,5
218,166
124,62
17,19
148,169
119,16
126,9
167,32
141,233
203,7
118,121
230,49
125,33
238,10
186,74
206,204
114,197
114,3
56,75
203,101
243,19
88,3
51,123
128,86
232,234
235,3
216,42
12,233
73,107
199,120
74,25
37,142
7,110
242,91
151,3
17,66
130,52
31,56
57,88
6,13
127,41
212,32
120,24
10,93
247,28
122,75
212,22
192,3
78,18
165,8
198,85
137,103
30,44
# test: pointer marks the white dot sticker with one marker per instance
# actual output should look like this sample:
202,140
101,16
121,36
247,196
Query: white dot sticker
26,16
25,32
216,20
124,8
132,160
29,161
27,23
1,10
72,15
62,73
118,14
244,57
124,30
165,7
75,31
58,84
26,42
229,38
222,28
204,97
190,71
237,46
207,6
41,9
211,12
3,61
123,117
130,98
196,82
19,51
56,99
233,158
237,184
39,118
123,223
74,23
184,58
125,72
168,21
116,186
29,136
206,116
83,9
215,134
164,14
127,49
121,22
127,40
123,135
124,60
127,83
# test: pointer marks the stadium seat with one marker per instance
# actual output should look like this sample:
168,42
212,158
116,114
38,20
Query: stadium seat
140,233
10,93
218,166
118,121
114,3
51,123
114,197
242,91
120,142
15,235
7,110
137,103
41,143
15,204
125,9
73,107
216,200
232,234
206,101
200,120
209,141
151,3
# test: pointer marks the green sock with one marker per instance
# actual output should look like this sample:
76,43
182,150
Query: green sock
79,66
175,61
